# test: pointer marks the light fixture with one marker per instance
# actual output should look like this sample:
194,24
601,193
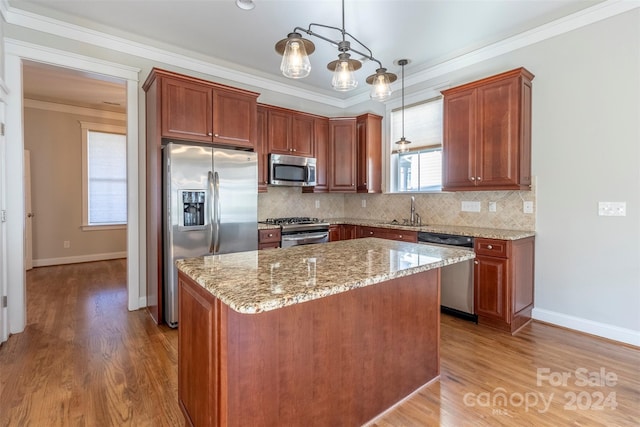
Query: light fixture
295,60
245,4
402,142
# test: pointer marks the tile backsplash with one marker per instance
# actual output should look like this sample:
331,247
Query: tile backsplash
434,208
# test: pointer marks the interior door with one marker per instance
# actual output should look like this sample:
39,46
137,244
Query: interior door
28,221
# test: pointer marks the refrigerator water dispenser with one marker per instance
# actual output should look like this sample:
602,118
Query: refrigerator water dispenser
193,208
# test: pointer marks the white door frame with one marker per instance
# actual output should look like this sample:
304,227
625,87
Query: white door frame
15,52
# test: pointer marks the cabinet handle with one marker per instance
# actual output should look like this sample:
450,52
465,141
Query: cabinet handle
270,235
489,247
479,178
216,135
473,178
400,236
364,183
371,232
476,262
210,134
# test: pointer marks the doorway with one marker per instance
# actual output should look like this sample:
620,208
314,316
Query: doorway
16,54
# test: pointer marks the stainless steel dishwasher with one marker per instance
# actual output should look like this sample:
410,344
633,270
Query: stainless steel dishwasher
456,280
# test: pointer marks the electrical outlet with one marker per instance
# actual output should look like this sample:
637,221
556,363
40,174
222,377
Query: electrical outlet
66,244
317,204
493,206
612,208
470,207
364,203
527,207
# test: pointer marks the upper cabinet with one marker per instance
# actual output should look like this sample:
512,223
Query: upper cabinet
196,110
487,134
369,153
262,150
342,155
290,132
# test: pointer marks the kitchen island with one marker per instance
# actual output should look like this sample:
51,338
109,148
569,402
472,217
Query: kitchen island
326,335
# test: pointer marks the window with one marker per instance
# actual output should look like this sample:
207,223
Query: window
104,175
419,168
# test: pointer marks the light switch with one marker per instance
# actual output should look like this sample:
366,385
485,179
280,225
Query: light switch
492,206
470,207
612,208
317,204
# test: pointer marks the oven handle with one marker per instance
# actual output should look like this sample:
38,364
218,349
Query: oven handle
305,237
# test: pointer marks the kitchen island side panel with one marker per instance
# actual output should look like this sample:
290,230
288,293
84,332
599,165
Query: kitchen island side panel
338,360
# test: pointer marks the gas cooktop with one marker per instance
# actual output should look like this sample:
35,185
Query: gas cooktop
292,220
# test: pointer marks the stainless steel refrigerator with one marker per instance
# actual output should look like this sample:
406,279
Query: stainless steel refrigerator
210,207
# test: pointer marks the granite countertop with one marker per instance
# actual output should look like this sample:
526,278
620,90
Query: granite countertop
488,233
258,281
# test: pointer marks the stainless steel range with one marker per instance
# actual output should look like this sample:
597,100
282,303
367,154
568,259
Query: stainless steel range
301,230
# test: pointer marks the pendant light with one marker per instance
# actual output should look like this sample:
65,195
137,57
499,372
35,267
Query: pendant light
403,143
295,63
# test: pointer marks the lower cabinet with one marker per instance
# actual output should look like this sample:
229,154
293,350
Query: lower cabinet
388,233
503,282
269,239
342,232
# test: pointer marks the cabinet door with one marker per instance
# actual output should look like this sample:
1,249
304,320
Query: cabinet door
302,135
234,119
491,292
459,141
497,149
186,110
335,233
369,171
342,155
279,136
262,150
321,153
348,232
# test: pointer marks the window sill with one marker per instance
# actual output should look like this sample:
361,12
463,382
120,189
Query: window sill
103,227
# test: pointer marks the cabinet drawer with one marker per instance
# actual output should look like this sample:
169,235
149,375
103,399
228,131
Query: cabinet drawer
387,233
491,247
269,236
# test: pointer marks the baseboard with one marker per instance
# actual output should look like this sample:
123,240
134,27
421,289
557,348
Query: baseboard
80,258
615,333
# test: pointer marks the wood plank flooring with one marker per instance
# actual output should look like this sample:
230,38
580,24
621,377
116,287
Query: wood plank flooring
84,360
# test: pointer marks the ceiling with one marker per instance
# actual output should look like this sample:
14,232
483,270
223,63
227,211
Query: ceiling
427,32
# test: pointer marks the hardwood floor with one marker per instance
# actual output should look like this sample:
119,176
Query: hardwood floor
84,360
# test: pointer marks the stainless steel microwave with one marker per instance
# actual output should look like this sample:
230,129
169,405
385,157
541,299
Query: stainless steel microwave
295,171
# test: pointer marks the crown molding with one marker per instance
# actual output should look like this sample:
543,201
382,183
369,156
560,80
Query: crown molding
63,29
4,7
82,34
74,109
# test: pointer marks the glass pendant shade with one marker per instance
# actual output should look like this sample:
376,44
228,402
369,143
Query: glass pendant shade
344,77
295,61
403,145
381,87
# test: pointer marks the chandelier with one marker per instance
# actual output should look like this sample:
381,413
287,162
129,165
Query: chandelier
295,64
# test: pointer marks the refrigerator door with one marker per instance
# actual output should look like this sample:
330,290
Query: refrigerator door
187,214
236,201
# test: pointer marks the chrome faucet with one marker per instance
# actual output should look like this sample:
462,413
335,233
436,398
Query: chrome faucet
412,218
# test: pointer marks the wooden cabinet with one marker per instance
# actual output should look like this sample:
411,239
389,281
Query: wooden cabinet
487,134
503,282
321,153
195,110
290,132
185,108
262,149
342,232
369,153
269,238
388,233
342,155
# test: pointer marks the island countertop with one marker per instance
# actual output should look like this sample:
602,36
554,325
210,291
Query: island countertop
258,281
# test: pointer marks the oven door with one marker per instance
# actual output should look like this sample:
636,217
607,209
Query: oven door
303,238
